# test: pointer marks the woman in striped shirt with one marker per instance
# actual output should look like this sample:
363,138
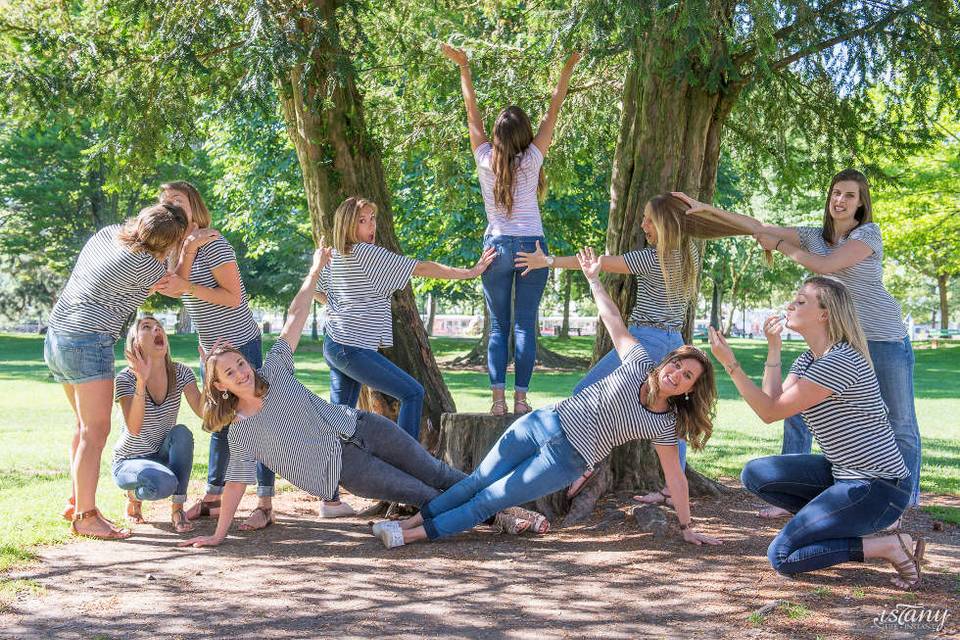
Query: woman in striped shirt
357,287
276,420
511,178
549,448
154,455
117,269
860,484
666,276
212,291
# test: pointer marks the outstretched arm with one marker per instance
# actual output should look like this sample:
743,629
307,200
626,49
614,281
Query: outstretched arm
609,313
748,225
669,457
545,133
538,260
300,307
845,256
232,494
474,121
443,272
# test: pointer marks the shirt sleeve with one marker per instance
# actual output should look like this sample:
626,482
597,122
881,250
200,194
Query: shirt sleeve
482,154
533,159
800,365
240,469
280,357
126,385
643,262
386,270
185,376
869,234
667,436
808,236
323,282
217,252
637,354
151,270
834,371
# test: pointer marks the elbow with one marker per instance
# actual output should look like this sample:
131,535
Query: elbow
235,300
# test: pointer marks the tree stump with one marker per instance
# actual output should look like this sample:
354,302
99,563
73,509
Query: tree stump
465,438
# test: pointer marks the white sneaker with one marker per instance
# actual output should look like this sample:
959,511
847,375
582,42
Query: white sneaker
391,537
341,510
384,524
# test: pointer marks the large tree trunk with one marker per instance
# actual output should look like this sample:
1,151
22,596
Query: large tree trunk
431,312
716,300
942,280
567,287
323,111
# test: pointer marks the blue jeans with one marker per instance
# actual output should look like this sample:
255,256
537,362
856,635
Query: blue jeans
658,343
531,459
351,367
831,516
76,358
893,363
165,473
503,287
220,447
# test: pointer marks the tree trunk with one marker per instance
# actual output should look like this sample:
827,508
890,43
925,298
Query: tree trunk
567,287
730,319
323,112
466,438
942,280
184,324
314,329
716,300
431,312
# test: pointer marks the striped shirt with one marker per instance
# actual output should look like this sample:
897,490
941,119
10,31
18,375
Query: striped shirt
235,325
880,315
296,434
158,419
608,412
524,218
107,284
653,306
358,287
851,425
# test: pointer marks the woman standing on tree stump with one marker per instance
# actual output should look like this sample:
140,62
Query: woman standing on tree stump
357,287
860,484
511,178
549,448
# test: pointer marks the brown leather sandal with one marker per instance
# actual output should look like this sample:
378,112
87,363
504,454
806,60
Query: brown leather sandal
180,522
116,533
910,569
499,408
267,513
134,509
69,509
205,507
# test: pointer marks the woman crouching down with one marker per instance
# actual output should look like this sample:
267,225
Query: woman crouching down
274,419
546,450
860,484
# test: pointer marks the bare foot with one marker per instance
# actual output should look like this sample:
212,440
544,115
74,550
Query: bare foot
661,496
772,513
96,526
259,518
906,558
208,507
180,522
134,509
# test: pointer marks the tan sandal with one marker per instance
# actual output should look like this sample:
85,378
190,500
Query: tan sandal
116,533
204,508
499,408
504,522
69,509
521,407
267,513
134,509
538,522
180,522
909,571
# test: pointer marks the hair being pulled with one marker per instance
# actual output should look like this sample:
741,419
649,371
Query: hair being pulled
156,229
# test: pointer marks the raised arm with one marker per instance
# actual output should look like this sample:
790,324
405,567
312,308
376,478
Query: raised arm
194,398
609,313
299,309
748,225
474,120
429,269
538,260
845,256
545,133
134,406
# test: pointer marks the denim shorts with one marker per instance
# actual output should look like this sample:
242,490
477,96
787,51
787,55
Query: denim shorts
75,358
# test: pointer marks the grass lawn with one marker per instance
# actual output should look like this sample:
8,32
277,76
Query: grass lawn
37,424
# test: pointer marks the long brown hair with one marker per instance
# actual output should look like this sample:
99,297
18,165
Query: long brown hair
706,226
843,325
667,214
694,415
512,135
156,229
133,341
219,412
864,212
345,222
201,215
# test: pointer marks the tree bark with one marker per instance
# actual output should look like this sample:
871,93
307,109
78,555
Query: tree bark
431,312
323,112
184,323
942,280
716,300
567,287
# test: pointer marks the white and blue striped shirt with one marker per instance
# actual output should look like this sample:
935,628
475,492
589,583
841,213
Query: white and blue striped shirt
158,419
653,306
524,218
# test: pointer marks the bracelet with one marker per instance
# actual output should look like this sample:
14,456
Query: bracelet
138,395
771,364
732,368
778,244
191,289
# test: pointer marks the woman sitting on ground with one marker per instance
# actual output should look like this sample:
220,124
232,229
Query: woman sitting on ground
315,445
551,447
154,456
860,484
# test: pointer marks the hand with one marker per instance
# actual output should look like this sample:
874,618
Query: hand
457,56
219,342
721,350
574,58
486,258
691,536
197,237
530,261
772,328
201,541
589,263
172,285
138,362
322,256
768,241
695,206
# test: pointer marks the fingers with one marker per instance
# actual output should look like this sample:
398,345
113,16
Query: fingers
539,249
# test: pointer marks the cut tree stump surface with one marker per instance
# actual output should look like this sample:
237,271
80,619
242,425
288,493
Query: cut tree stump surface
465,438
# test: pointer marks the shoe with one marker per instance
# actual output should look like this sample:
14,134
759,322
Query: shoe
391,537
499,408
521,407
342,510
384,524
505,522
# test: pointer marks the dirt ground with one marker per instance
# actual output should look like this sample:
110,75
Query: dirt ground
307,577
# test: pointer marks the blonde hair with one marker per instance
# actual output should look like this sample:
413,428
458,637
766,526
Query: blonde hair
198,208
219,412
864,212
156,229
706,226
694,415
345,222
512,135
667,214
843,325
133,341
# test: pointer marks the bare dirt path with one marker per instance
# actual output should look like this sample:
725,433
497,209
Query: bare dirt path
308,577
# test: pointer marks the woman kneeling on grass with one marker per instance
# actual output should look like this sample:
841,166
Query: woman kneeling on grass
860,484
315,445
154,456
546,450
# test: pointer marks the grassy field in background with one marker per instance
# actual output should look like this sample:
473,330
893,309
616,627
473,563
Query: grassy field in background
36,426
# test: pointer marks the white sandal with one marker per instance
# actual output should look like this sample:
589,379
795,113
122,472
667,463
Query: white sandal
391,537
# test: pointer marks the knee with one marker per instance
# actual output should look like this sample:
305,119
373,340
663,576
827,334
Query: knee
181,435
156,484
414,393
750,476
94,434
777,554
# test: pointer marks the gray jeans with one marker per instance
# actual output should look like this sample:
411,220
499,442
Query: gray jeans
384,462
